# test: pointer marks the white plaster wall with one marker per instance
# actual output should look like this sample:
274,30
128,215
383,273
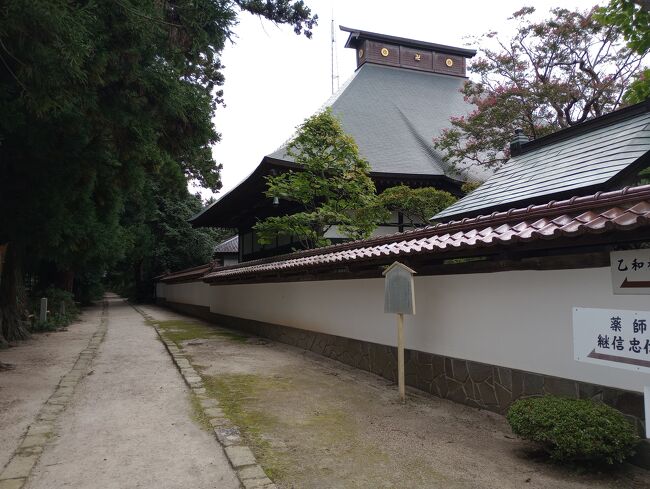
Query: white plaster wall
517,319
195,293
160,290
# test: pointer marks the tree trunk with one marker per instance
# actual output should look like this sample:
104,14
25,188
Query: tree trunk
140,284
66,280
12,298
3,342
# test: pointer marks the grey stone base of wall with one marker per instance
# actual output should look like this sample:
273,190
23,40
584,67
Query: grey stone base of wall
464,381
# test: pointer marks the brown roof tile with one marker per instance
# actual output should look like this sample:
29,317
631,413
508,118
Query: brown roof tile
187,275
620,210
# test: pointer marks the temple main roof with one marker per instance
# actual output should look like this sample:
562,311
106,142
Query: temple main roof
393,114
392,107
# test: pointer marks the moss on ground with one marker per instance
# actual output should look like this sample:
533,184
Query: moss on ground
233,391
332,426
232,336
179,331
251,402
320,428
198,414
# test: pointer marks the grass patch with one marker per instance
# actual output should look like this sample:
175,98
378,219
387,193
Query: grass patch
305,440
231,335
332,426
198,415
233,391
179,331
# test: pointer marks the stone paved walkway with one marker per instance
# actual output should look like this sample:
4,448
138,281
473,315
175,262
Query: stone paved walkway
129,423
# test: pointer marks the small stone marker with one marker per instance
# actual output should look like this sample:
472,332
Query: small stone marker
43,316
399,298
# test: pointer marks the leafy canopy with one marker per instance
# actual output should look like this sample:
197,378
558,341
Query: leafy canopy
160,239
632,17
332,187
550,75
417,205
99,101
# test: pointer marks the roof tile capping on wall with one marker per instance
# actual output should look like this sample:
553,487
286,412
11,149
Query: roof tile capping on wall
617,211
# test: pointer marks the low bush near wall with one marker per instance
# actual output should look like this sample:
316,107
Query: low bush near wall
62,310
574,430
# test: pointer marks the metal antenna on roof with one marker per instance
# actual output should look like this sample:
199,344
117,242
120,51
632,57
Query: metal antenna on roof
335,61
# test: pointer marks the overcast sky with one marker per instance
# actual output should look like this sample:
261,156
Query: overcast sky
275,79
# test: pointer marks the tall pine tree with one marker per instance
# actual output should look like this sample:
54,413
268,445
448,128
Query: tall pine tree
98,98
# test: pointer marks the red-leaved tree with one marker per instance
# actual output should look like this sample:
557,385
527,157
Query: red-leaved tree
550,75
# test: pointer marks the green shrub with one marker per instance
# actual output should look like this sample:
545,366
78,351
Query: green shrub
56,319
54,322
89,288
574,430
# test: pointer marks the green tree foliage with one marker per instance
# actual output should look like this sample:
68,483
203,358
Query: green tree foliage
160,239
332,186
61,306
470,186
550,75
97,99
632,18
417,205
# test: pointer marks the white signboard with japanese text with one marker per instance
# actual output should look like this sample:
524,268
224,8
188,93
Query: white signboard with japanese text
631,271
612,337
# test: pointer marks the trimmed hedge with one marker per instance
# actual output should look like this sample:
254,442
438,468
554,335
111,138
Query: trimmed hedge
574,430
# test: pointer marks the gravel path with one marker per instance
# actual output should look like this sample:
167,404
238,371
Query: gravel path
129,423
314,423
39,363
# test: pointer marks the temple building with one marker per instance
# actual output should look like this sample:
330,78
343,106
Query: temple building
514,284
401,96
227,252
601,154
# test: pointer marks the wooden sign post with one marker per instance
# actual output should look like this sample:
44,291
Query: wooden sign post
399,298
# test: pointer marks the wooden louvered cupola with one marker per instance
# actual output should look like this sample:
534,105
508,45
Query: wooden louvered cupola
407,53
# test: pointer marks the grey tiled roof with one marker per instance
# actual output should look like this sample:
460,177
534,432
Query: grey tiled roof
567,161
231,245
393,115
